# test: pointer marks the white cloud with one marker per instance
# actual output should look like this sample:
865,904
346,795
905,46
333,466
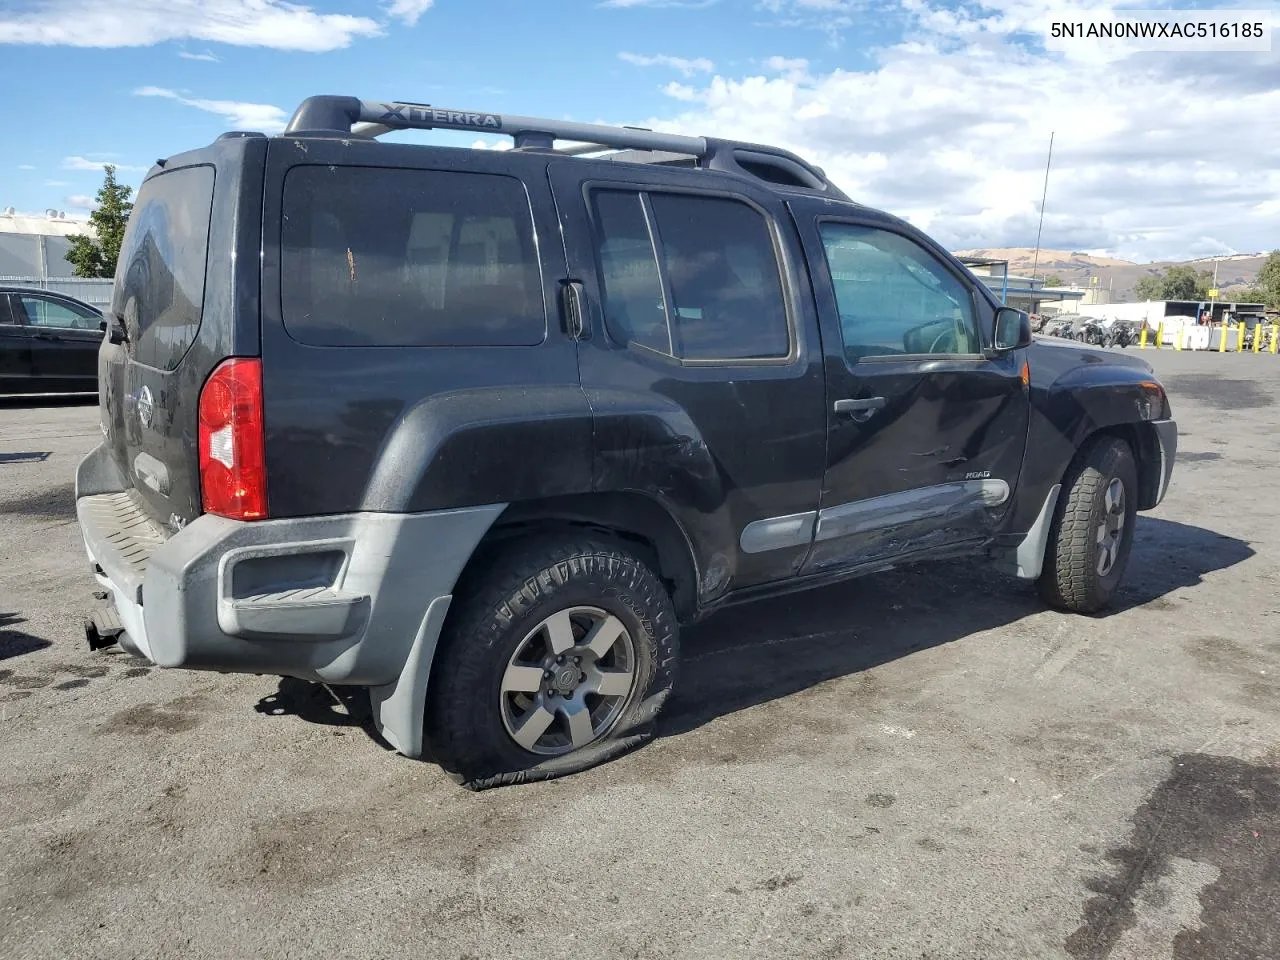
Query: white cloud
951,131
26,166
87,163
409,10
786,65
206,56
81,201
680,91
684,65
137,23
239,115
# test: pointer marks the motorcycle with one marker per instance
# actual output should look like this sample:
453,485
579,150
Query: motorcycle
1121,335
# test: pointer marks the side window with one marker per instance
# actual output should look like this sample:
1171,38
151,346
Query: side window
723,297
49,313
382,257
635,310
894,297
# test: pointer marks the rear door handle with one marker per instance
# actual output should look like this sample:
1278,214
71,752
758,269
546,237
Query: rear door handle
861,409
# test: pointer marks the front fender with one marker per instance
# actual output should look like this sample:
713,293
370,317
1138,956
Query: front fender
1075,393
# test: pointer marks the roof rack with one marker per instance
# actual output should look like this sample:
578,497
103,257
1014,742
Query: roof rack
349,116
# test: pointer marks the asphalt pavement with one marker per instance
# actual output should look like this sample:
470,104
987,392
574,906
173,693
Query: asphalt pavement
925,763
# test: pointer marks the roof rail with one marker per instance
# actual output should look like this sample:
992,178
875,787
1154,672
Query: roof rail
372,118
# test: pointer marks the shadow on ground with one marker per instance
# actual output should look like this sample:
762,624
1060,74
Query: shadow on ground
16,643
771,649
19,401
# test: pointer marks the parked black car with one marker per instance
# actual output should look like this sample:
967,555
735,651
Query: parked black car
478,430
48,342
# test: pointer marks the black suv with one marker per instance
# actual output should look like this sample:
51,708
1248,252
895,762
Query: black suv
478,429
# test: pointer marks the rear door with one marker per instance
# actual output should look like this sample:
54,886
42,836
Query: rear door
702,362
186,297
15,347
926,427
64,338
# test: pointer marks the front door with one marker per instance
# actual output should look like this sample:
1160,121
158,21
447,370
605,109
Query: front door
926,424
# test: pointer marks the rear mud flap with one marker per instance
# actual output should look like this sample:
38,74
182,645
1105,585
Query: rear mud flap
625,739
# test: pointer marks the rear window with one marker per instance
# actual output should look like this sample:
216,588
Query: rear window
159,286
380,257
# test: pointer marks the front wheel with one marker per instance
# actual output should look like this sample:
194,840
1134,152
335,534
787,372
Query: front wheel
1092,532
556,656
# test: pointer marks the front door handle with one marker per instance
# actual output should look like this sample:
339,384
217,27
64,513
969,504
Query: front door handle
860,409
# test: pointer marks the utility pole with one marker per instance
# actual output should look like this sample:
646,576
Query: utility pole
1036,262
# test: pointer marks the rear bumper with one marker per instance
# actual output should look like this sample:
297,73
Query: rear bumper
352,599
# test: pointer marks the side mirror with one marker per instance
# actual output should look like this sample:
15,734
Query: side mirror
1013,329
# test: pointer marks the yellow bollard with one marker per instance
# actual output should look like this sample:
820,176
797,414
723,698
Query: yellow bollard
1178,337
1240,338
1142,337
1257,337
1222,344
1159,334
1275,336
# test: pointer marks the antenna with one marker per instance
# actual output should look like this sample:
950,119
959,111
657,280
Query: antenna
1036,262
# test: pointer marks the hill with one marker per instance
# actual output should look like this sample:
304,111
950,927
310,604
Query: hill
1120,276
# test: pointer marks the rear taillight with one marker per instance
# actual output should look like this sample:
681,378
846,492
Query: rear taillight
233,467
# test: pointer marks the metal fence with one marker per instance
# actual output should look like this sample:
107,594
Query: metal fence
97,292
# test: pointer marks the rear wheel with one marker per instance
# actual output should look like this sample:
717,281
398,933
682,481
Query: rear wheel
556,656
1092,532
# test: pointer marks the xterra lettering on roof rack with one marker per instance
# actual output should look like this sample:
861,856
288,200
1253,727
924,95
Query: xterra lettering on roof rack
406,114
350,116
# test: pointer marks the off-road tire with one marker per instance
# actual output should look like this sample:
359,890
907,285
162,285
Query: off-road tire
495,607
1070,579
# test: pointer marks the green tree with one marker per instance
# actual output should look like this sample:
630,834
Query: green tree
1185,283
1150,287
1177,283
1053,280
96,255
1268,281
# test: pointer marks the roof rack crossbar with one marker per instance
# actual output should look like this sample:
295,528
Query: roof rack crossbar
373,118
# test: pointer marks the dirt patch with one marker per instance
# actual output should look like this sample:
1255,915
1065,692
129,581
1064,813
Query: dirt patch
1210,810
1220,393
51,502
147,718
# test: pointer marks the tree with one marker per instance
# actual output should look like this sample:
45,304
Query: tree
1053,280
1269,280
1177,283
96,255
1150,287
1185,283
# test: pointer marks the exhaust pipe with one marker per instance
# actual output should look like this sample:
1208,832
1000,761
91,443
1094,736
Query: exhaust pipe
102,629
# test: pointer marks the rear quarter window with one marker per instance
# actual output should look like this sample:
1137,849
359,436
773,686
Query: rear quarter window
385,257
160,276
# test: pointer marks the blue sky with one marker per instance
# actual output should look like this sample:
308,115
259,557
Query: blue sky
936,111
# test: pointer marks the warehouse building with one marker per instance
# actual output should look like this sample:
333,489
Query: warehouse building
33,253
